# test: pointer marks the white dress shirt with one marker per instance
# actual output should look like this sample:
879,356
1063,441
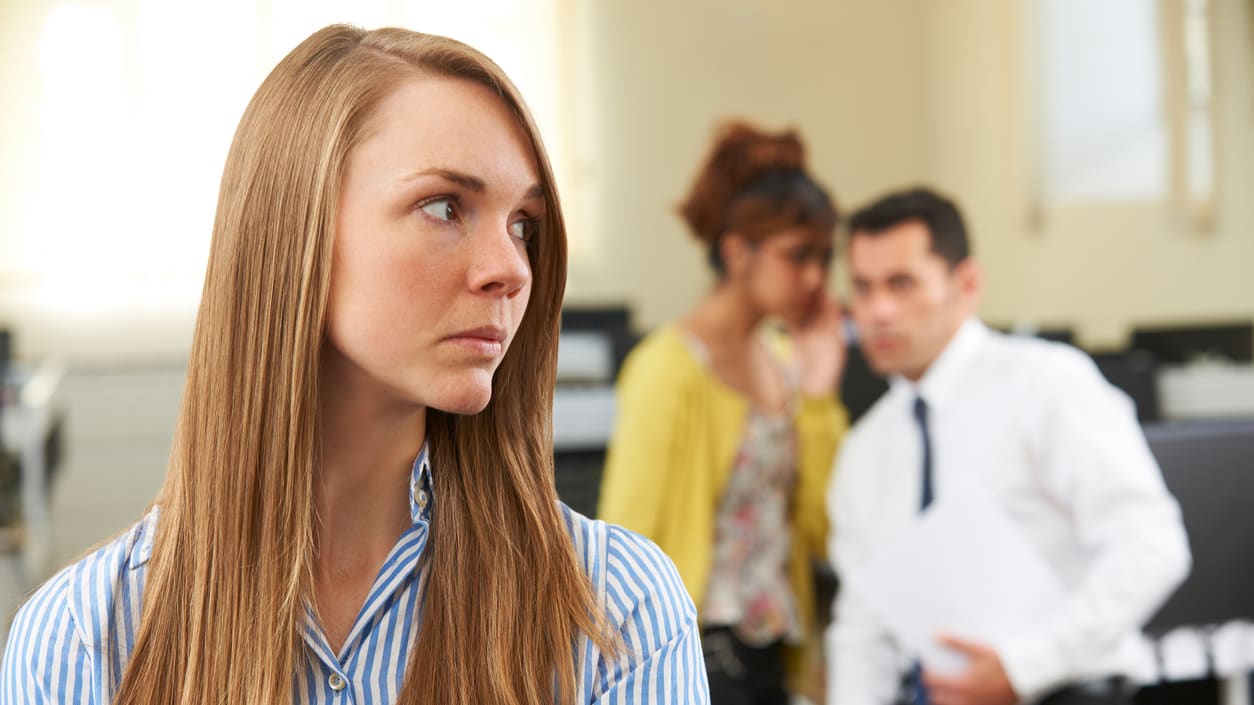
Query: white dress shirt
1061,452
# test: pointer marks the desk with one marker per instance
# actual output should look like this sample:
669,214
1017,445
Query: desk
584,403
25,425
583,420
1206,628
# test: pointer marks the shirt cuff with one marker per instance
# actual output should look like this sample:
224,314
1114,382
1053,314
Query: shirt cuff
1033,665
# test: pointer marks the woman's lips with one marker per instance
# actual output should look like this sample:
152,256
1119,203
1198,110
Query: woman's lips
488,341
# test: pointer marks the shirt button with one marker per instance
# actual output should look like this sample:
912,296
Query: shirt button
336,682
422,499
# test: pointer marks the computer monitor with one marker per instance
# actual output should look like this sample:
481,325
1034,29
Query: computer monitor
1177,344
613,322
1209,467
6,353
1136,373
860,386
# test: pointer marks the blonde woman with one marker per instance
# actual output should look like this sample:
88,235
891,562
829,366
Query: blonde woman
360,504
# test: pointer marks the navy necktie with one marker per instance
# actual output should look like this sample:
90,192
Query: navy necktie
916,692
920,415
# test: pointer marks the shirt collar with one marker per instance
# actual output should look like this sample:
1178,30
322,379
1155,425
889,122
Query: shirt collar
945,372
421,487
421,497
142,550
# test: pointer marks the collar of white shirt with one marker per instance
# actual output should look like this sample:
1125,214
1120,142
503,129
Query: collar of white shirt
942,378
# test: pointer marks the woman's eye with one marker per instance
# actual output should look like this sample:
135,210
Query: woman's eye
806,255
525,229
443,208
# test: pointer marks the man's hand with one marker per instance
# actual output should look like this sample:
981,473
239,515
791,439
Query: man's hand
984,682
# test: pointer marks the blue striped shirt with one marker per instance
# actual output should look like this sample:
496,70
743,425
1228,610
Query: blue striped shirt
71,641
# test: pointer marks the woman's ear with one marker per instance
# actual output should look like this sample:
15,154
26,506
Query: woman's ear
736,252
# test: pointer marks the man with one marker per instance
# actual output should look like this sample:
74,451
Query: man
1036,427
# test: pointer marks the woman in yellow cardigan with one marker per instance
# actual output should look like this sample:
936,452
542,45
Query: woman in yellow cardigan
727,427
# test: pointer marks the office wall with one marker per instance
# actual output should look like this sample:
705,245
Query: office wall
656,76
891,93
1101,269
886,92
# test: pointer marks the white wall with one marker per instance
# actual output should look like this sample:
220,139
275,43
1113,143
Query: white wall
848,75
885,92
889,94
1102,269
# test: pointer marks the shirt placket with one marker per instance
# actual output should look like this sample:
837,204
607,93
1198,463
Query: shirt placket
333,676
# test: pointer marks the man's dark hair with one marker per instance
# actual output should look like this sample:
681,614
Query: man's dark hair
939,214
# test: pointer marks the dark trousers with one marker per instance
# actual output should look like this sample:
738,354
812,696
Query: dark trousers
1111,691
1089,696
741,674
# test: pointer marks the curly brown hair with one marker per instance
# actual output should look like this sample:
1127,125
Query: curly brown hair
754,183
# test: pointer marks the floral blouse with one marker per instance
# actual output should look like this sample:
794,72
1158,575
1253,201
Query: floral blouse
749,589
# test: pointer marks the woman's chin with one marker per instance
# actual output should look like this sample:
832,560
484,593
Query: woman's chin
468,408
467,400
790,318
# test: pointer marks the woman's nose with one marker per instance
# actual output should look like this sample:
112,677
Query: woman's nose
499,263
814,275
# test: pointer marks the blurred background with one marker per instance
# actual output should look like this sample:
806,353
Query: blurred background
1103,153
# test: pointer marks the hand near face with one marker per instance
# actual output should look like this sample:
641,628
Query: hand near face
984,682
820,346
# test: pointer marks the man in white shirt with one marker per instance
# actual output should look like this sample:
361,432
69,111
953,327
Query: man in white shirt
1034,425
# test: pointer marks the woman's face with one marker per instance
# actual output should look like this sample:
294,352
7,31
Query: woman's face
786,273
430,273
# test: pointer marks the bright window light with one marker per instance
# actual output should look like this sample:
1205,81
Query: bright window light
137,104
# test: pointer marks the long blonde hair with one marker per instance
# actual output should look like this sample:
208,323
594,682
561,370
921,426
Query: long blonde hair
231,569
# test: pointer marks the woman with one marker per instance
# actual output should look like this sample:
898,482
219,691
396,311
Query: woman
726,432
360,496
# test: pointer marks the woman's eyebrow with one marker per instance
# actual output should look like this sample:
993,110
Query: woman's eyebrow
467,181
472,183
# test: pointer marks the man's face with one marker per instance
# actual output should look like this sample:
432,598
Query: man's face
907,301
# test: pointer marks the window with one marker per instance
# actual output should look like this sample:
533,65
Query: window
1195,130
137,104
1125,102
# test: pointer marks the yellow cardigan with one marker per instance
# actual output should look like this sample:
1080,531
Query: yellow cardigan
676,434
